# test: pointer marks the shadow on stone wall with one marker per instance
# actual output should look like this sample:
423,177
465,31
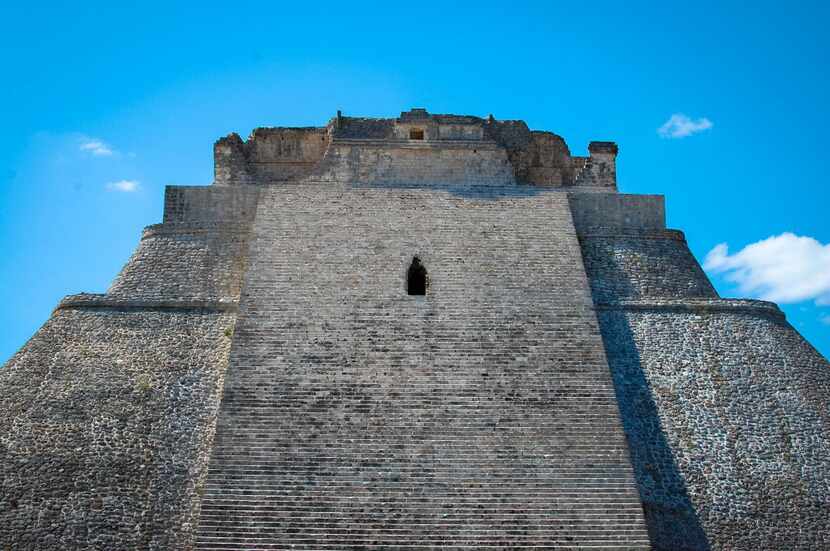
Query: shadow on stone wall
609,277
673,524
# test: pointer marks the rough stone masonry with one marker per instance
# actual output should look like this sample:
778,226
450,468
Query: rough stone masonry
427,332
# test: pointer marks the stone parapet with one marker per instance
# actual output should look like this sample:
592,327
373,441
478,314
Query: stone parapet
617,212
210,204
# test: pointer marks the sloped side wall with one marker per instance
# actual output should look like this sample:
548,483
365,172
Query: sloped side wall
108,413
725,406
106,424
199,252
728,418
625,264
186,261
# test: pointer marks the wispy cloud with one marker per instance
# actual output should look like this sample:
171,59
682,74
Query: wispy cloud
783,268
124,186
681,126
96,147
824,319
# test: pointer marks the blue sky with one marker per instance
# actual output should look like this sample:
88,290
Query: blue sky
103,105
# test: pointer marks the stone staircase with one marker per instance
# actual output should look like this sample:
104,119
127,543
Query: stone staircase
481,416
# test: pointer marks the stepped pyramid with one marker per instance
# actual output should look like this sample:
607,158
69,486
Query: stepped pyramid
426,332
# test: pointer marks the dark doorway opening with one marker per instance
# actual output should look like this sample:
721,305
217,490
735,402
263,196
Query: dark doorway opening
416,134
416,278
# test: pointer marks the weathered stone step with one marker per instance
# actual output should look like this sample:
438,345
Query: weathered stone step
490,541
259,484
214,546
480,417
451,544
417,525
307,503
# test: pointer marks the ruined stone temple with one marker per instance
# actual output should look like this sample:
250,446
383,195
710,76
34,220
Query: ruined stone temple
425,332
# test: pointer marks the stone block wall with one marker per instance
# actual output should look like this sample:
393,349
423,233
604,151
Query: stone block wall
617,212
460,132
210,205
414,164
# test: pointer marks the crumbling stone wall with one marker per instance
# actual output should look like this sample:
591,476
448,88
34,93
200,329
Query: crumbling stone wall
538,158
270,155
599,169
452,149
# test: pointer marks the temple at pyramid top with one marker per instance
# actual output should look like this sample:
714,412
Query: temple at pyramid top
416,148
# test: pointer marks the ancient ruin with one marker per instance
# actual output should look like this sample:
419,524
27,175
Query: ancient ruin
425,332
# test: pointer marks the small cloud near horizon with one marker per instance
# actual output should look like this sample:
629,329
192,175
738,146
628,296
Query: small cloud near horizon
96,147
680,126
784,268
124,186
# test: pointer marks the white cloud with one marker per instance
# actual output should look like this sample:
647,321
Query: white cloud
126,186
680,126
96,147
824,319
783,268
